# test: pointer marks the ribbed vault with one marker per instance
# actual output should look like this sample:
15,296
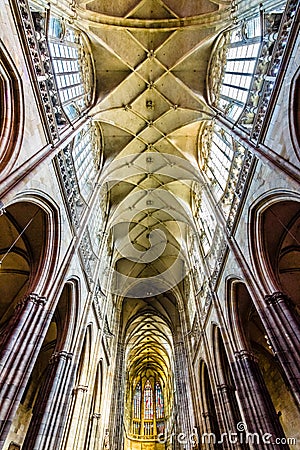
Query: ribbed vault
149,347
151,60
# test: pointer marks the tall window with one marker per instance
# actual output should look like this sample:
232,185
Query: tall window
242,54
78,164
86,156
159,402
72,67
137,401
208,223
148,409
148,401
219,160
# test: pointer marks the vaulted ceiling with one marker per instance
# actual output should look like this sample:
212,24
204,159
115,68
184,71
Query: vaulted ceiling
151,59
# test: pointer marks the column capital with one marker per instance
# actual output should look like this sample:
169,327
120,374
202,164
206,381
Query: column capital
225,387
80,387
34,298
245,354
60,355
278,297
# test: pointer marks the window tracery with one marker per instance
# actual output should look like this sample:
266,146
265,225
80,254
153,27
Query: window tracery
137,401
207,222
148,401
78,164
242,53
159,401
86,156
148,409
247,60
222,158
72,66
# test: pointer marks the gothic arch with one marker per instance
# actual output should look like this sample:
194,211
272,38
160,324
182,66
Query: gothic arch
66,314
226,383
82,391
233,286
208,409
294,112
48,387
275,242
28,249
265,375
12,110
93,432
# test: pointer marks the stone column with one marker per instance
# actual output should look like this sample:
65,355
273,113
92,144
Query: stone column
258,409
94,441
77,425
49,414
208,430
20,347
283,328
183,398
231,415
115,433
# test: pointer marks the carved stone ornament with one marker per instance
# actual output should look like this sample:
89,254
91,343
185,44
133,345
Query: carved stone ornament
216,68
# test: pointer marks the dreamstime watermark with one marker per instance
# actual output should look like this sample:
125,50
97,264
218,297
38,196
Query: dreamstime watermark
240,436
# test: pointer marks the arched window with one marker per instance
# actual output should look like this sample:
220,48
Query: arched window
148,409
242,53
86,156
245,63
72,65
159,400
137,401
223,159
78,164
148,401
219,160
208,223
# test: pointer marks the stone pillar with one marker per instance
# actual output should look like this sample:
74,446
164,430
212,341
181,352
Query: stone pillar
258,409
49,414
115,432
76,433
208,419
231,415
20,347
183,404
94,438
283,328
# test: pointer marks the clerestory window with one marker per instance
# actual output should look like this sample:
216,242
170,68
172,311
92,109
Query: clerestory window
86,157
219,161
242,53
72,67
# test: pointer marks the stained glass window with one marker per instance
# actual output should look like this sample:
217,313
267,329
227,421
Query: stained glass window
148,401
137,401
159,401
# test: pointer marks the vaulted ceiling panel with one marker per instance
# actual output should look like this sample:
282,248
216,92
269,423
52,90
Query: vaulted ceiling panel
151,60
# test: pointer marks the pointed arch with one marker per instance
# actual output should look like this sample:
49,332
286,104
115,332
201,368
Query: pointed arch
12,111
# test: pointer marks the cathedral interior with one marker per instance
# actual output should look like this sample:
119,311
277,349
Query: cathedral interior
149,224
